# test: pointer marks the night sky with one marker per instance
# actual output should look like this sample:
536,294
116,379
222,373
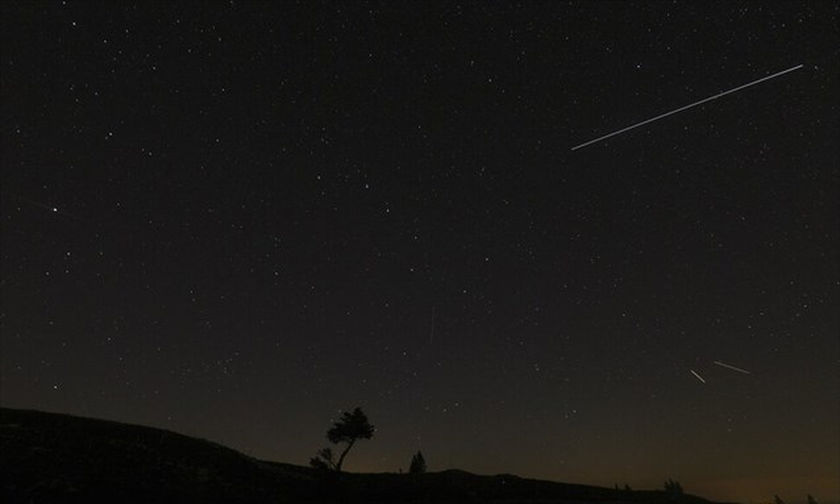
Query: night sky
234,220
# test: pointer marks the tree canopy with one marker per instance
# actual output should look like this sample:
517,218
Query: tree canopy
418,463
351,427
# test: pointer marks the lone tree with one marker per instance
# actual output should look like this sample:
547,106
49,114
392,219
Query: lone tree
348,429
418,463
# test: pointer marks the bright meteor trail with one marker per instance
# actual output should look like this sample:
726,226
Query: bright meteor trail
730,366
697,376
686,107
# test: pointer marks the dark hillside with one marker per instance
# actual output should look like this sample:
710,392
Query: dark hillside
47,457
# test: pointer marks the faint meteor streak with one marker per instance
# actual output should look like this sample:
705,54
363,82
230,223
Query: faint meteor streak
432,330
686,107
733,368
697,376
48,208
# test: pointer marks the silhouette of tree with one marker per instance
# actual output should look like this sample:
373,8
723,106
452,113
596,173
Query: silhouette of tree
673,487
348,429
418,463
811,499
627,488
324,460
778,500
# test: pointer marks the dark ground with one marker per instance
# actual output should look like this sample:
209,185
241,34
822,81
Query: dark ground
49,457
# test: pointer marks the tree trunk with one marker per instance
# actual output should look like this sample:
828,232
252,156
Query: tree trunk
343,454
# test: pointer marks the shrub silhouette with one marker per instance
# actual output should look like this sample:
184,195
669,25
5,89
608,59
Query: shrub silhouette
324,460
778,500
348,429
418,463
673,487
811,499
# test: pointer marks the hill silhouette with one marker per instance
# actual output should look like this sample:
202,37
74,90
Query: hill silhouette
49,457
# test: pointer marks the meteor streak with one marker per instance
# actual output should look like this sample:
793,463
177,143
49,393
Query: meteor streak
686,107
49,208
733,368
697,376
